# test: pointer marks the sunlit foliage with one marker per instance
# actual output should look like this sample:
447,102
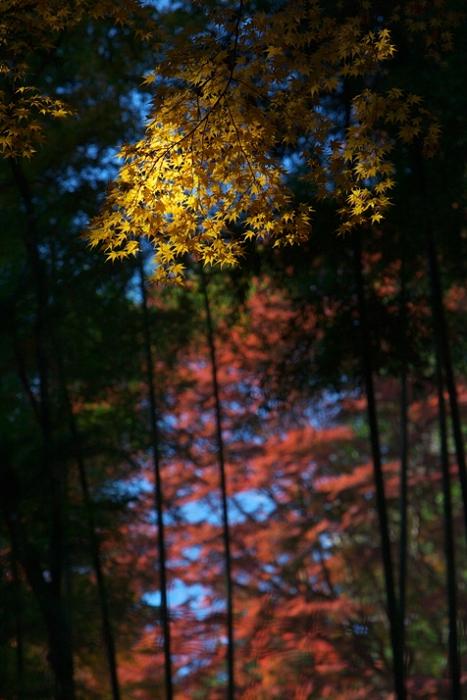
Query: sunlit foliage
230,104
29,34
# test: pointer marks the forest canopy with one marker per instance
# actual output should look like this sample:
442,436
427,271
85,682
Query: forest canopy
233,387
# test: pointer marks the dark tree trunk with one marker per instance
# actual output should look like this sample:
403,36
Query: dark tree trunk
158,486
449,549
95,549
17,598
60,655
51,596
223,489
367,371
403,498
443,350
440,327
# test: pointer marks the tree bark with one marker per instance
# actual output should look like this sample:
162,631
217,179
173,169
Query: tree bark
449,549
17,598
158,485
107,631
443,350
367,371
226,536
52,602
403,498
440,327
60,655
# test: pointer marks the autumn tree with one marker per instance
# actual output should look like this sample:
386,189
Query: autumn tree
232,108
191,477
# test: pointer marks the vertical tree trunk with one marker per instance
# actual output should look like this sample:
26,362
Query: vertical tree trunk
61,656
223,489
17,598
443,350
454,667
158,488
441,334
367,370
25,554
403,542
95,549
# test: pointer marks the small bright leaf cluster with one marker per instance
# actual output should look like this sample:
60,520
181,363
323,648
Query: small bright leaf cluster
363,173
29,30
233,106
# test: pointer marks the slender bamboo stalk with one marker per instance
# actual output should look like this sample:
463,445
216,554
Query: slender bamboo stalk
367,370
226,536
158,486
443,349
17,598
444,362
449,551
403,498
107,631
61,653
28,557
441,333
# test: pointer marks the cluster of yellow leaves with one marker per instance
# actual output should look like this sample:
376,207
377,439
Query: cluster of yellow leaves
28,30
363,173
206,177
19,129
